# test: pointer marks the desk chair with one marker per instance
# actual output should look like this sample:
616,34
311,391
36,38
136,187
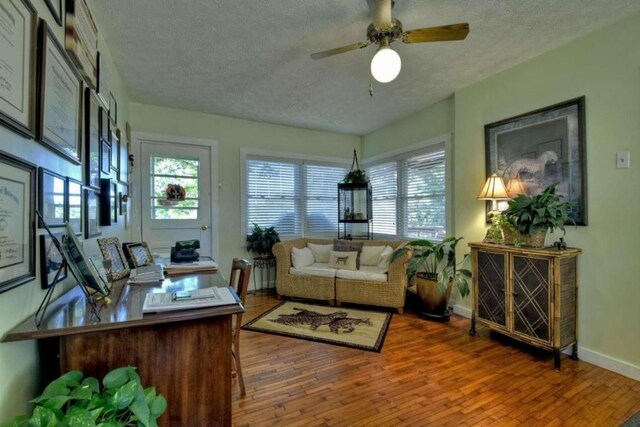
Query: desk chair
239,280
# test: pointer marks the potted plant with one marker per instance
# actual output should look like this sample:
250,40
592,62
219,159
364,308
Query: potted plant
261,240
533,216
75,400
436,270
502,231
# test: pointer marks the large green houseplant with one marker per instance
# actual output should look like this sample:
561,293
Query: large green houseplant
261,240
533,216
436,270
76,400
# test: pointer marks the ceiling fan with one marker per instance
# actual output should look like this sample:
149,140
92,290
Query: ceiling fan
384,30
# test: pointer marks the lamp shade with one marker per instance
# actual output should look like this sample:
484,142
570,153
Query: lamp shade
514,187
386,64
494,189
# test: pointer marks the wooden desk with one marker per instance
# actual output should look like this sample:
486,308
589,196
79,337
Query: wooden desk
186,354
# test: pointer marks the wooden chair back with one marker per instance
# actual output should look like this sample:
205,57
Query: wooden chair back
239,279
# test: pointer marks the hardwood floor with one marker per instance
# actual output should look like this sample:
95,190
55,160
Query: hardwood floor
427,374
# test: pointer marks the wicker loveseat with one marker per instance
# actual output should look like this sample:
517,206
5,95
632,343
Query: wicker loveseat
337,290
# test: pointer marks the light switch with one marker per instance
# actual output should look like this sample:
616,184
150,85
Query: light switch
622,159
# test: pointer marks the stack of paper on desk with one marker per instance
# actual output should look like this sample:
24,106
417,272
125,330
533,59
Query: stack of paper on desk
147,274
199,298
204,266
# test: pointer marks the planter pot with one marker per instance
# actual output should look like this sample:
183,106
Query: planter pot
535,240
434,303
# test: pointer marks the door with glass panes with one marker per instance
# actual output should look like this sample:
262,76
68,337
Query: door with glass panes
176,195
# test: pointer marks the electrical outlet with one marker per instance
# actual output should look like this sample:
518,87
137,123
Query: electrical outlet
623,159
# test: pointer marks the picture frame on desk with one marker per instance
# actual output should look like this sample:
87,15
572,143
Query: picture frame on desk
112,252
74,206
18,93
92,225
81,265
138,254
17,223
51,261
61,96
52,197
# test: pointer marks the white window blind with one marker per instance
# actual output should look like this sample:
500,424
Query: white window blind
273,195
298,198
321,199
384,187
409,194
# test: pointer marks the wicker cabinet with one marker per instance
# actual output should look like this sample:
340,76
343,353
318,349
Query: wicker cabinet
527,294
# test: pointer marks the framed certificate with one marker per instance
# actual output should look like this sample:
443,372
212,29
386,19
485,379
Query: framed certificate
60,98
18,66
17,221
92,139
81,40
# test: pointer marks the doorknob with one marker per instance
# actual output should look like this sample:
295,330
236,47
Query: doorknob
204,227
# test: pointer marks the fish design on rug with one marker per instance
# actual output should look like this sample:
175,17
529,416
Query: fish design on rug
336,321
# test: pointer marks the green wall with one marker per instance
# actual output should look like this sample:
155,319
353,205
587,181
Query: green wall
605,67
19,363
233,134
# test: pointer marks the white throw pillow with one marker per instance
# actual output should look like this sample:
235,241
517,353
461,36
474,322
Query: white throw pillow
343,260
370,255
385,257
320,252
301,258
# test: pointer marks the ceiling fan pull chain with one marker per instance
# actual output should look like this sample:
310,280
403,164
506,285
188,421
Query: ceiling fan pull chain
370,89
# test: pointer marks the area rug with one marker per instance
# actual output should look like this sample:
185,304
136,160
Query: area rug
362,329
634,421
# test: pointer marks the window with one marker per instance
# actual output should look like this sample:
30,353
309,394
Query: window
409,194
171,170
297,197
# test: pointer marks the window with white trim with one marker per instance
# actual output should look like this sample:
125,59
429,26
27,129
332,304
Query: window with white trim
297,197
409,194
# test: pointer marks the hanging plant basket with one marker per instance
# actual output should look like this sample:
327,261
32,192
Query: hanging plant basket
355,175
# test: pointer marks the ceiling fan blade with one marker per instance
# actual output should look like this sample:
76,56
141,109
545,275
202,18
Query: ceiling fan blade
444,33
343,49
380,13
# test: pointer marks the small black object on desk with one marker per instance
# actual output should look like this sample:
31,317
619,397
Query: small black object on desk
185,251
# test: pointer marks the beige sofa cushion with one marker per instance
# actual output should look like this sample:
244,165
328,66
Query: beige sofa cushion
316,269
366,272
320,252
343,260
370,255
301,258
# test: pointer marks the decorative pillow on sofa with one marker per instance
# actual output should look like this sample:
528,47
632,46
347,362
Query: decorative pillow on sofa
370,255
385,257
320,252
343,260
301,258
348,246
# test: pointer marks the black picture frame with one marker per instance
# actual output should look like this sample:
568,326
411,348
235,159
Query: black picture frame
123,154
74,206
18,201
92,226
105,159
19,115
92,164
112,253
65,139
108,202
51,260
113,109
104,123
55,6
52,198
115,152
540,148
138,254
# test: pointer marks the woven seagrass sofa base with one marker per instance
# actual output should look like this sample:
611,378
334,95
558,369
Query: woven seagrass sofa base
335,290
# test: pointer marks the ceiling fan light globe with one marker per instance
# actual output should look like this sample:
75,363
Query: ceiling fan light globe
385,65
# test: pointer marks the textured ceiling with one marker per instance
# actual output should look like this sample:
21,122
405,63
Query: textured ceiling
250,58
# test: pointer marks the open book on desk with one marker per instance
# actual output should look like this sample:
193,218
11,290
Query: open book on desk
147,274
199,298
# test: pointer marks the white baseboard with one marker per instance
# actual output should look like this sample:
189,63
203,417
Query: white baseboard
602,360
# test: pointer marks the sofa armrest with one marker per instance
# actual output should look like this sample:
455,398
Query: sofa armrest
282,252
398,268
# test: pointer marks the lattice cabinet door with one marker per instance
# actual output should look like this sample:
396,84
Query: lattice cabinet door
491,273
531,293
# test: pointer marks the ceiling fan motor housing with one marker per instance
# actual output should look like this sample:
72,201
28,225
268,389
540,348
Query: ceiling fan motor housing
376,35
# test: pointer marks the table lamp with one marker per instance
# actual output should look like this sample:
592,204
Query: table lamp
494,190
514,187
